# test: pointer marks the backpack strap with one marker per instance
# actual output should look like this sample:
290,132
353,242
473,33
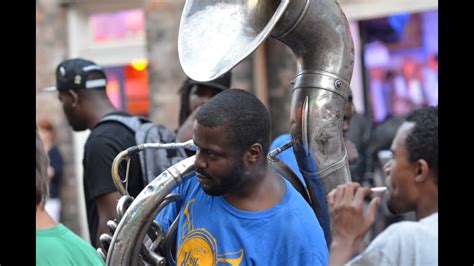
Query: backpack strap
132,122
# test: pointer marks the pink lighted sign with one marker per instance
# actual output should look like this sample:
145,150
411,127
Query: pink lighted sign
121,25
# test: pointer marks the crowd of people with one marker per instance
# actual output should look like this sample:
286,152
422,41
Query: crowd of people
236,209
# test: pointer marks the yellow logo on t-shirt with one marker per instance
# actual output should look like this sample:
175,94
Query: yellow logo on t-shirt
199,247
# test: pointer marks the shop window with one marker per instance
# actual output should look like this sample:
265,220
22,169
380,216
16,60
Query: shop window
401,63
127,88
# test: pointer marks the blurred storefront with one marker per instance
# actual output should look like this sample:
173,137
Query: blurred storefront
401,63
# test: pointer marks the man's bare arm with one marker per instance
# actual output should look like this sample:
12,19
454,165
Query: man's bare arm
107,210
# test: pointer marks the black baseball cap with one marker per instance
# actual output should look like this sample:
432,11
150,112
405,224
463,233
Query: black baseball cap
222,82
73,74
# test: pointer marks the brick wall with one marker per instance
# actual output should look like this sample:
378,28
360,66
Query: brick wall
51,48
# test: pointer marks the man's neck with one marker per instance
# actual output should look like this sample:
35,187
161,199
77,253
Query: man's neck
261,195
426,211
428,204
98,111
43,220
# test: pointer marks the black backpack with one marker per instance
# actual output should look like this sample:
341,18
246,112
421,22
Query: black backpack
153,161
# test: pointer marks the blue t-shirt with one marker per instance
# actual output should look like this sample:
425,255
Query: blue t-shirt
288,157
213,232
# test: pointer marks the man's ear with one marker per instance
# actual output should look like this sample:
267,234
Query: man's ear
75,98
253,153
421,170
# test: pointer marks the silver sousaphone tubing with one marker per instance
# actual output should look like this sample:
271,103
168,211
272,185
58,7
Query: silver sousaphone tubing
214,36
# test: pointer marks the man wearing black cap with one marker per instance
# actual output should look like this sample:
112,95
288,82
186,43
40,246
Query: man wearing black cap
193,95
81,89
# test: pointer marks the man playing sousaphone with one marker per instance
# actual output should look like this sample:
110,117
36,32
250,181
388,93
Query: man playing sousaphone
235,209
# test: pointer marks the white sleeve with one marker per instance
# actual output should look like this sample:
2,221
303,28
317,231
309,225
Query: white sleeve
383,250
402,243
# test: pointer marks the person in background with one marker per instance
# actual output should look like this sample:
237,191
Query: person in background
81,87
55,243
412,185
55,169
193,95
359,133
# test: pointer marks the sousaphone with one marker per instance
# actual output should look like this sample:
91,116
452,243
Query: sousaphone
214,36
